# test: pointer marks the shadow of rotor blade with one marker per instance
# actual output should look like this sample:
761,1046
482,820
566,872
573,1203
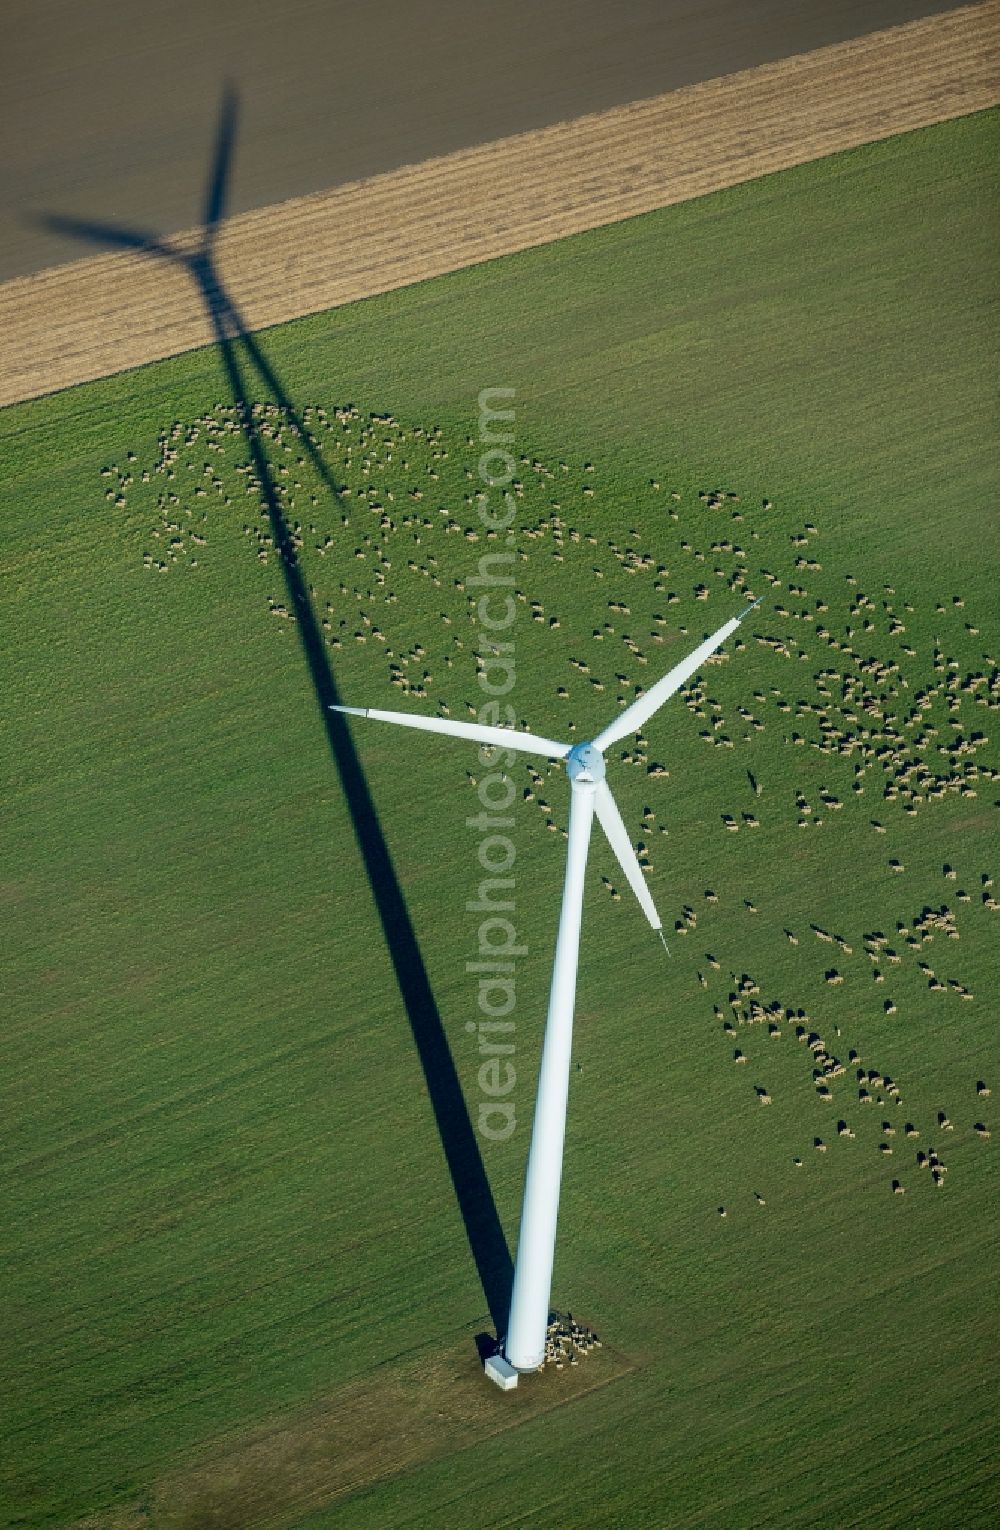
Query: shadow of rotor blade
227,318
215,195
267,372
106,233
458,1137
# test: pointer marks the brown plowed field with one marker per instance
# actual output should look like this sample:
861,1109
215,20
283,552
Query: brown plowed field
104,314
109,107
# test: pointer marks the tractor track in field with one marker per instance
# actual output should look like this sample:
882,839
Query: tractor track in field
108,313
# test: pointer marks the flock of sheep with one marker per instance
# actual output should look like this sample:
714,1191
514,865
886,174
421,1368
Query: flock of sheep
567,1342
390,568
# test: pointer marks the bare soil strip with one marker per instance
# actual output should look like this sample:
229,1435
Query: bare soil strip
111,312
420,1408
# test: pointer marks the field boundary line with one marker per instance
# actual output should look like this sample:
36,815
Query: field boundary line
109,313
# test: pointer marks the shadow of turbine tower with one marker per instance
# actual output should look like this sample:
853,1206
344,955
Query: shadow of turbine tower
458,1139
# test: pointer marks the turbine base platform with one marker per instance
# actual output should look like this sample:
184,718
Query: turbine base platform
501,1373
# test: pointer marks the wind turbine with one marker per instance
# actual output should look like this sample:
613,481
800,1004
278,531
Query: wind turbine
590,797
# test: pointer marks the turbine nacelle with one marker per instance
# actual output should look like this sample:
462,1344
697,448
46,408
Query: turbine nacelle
585,765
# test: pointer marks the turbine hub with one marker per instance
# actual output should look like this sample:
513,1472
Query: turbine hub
585,765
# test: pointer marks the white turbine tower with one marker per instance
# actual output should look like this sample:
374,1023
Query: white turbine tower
524,1345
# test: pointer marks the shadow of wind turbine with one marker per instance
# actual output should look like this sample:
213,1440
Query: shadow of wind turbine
471,1185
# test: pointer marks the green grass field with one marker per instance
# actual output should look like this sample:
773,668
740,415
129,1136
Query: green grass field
239,1289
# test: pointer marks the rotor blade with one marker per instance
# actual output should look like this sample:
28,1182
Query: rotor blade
633,717
480,733
106,233
611,822
215,196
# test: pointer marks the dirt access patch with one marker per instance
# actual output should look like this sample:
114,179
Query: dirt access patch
424,1407
102,315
